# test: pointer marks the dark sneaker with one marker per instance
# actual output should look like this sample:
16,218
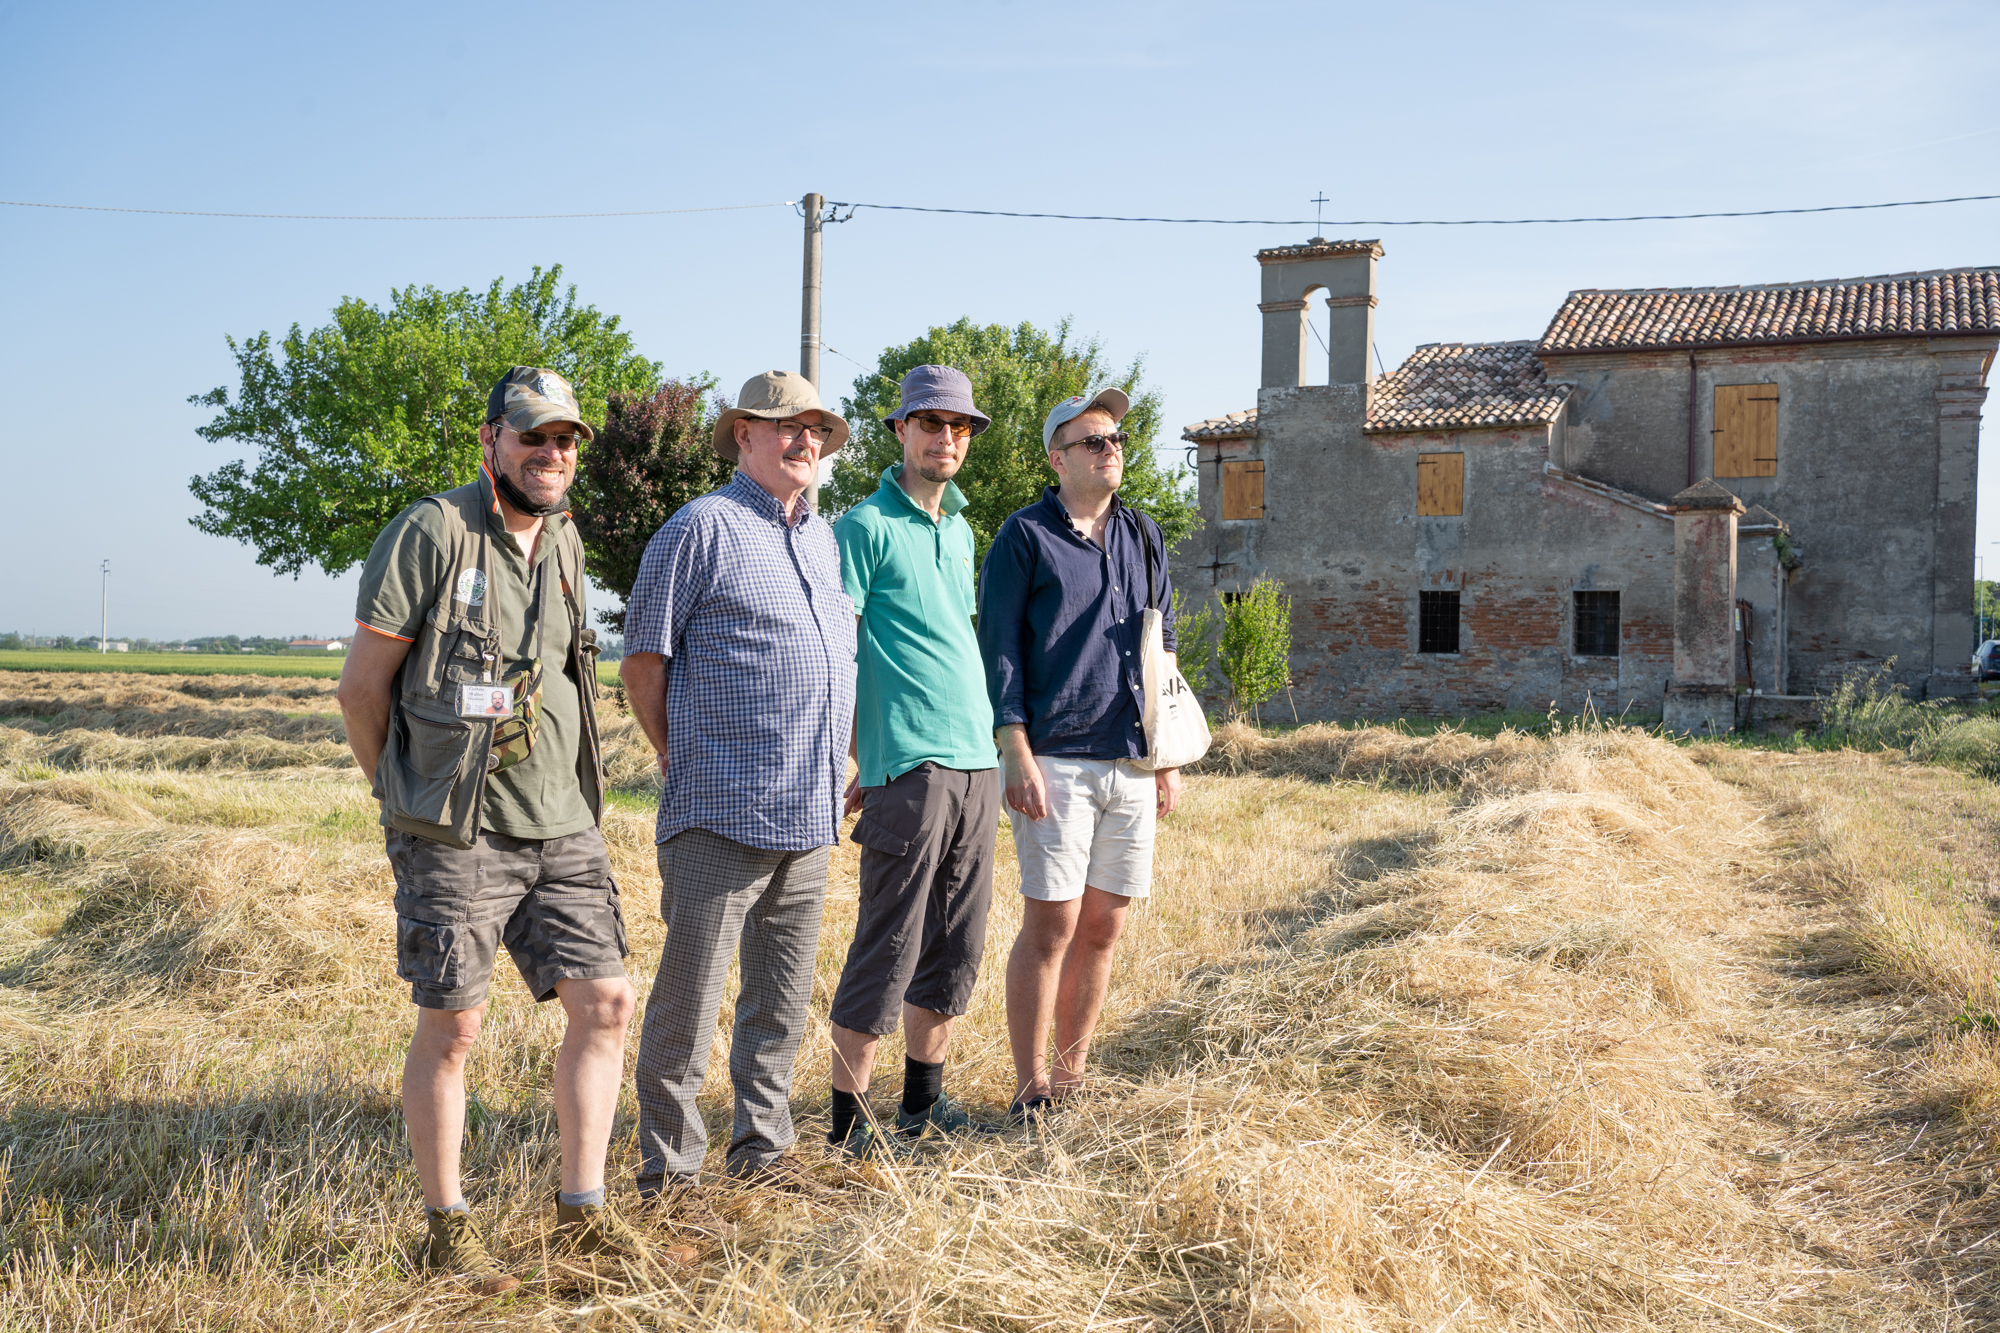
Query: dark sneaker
1029,1111
946,1116
594,1229
457,1251
686,1207
786,1174
866,1142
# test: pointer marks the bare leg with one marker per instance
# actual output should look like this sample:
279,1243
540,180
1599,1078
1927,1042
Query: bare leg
434,1097
1086,976
589,1069
853,1059
1033,967
926,1034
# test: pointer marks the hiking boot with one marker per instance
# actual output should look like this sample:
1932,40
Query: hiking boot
865,1142
947,1115
785,1174
592,1228
456,1250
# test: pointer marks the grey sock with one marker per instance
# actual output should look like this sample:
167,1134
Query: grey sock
460,1207
582,1198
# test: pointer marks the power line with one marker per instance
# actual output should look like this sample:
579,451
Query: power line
1003,213
1428,222
344,217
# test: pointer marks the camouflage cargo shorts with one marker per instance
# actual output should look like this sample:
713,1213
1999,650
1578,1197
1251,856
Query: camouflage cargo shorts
552,902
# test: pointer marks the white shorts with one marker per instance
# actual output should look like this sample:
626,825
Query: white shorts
1098,831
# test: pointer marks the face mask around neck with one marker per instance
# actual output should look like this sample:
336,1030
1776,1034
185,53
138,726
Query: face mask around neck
514,496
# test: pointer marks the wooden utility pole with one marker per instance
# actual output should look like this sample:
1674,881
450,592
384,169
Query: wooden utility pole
809,318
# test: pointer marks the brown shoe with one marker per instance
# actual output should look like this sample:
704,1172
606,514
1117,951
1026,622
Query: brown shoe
595,1229
786,1174
686,1207
456,1250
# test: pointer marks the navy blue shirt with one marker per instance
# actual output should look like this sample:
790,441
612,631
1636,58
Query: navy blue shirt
1059,623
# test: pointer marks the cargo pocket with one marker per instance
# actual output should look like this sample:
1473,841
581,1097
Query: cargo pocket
618,923
431,763
430,953
871,833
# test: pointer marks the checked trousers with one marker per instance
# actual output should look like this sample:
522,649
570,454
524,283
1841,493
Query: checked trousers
717,895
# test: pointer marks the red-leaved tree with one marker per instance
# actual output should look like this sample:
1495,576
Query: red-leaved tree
651,457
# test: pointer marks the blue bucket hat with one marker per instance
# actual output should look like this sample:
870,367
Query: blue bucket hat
939,389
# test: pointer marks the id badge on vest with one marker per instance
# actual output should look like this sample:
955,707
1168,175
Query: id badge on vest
486,701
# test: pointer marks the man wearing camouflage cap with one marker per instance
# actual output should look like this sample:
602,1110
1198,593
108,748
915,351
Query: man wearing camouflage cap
469,706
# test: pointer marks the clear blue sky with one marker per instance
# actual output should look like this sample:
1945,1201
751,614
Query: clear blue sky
1244,110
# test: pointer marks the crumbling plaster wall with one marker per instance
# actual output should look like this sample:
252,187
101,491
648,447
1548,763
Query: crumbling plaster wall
1877,460
1342,532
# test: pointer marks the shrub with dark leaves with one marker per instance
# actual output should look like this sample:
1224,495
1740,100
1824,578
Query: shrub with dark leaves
651,457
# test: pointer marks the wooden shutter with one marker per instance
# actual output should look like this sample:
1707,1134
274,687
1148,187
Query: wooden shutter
1746,430
1440,484
1243,490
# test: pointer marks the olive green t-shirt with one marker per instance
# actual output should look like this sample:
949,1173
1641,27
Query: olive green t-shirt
542,796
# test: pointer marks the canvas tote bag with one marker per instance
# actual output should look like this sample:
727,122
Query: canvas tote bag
1176,729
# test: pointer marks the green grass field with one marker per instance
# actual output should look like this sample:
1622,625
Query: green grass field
204,664
321,667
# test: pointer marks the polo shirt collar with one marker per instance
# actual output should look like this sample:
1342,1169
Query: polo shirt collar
952,501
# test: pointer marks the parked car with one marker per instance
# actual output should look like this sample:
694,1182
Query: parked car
1986,661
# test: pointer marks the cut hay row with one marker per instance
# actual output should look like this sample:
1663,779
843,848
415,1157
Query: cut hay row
248,751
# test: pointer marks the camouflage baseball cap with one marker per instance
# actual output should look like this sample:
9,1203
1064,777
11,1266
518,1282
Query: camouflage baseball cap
529,398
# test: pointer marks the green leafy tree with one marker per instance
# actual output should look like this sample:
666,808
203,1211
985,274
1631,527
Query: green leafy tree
358,419
1256,644
1194,632
1017,376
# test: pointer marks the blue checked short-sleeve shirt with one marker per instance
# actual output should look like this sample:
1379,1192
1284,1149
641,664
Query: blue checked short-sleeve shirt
758,635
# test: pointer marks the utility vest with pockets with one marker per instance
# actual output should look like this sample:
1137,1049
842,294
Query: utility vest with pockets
431,778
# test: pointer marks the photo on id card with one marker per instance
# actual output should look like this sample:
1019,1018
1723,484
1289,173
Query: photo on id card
486,701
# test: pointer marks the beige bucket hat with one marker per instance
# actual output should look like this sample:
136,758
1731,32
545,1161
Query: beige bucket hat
773,396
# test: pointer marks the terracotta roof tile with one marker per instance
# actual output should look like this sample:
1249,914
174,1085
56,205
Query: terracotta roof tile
1465,386
1904,305
1318,248
1235,426
1442,386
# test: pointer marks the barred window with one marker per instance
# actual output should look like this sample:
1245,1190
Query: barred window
1597,624
1437,622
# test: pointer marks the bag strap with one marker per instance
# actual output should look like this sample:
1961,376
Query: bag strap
1146,541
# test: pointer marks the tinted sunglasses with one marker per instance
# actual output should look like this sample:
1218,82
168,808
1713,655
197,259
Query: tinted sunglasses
931,423
1097,444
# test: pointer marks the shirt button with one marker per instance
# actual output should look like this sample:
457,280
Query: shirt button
1128,651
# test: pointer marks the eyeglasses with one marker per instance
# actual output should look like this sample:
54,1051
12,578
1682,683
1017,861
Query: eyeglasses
931,423
534,439
791,430
1097,444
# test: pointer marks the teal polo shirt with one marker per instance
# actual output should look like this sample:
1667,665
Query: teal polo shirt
920,688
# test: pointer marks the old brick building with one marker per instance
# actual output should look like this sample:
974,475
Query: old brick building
1502,525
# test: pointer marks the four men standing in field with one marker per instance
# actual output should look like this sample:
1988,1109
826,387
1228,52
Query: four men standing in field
471,708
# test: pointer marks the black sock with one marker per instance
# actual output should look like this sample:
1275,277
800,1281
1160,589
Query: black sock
922,1085
846,1110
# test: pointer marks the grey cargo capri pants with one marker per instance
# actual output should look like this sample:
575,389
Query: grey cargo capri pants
926,884
551,902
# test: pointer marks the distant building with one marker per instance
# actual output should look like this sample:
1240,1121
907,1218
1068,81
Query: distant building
1674,494
329,645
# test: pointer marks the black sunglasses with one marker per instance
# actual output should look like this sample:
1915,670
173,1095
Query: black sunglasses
1097,444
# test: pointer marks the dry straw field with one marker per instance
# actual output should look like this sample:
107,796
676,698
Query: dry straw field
1585,1031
